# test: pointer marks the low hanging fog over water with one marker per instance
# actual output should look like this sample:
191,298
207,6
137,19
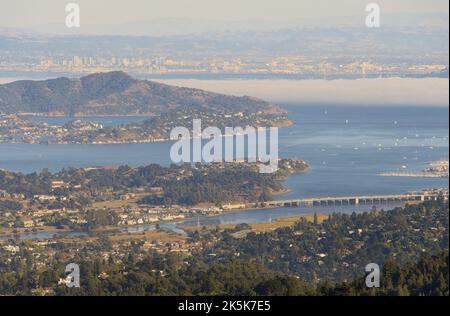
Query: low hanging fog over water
382,91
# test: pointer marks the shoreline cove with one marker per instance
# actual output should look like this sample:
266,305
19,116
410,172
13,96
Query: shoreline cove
346,149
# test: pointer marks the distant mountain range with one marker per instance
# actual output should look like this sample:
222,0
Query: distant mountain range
341,45
184,26
117,93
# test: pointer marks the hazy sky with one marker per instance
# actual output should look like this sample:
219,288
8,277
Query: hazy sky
29,13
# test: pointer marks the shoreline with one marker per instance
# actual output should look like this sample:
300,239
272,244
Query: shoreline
265,226
111,231
413,175
286,123
116,231
128,142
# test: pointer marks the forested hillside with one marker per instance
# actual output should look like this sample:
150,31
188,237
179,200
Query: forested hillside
116,93
412,263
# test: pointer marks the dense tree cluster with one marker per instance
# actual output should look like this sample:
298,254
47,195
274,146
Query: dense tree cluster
114,93
410,244
181,184
9,206
428,277
171,275
340,247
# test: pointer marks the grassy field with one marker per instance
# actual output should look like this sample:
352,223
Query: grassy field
265,227
163,236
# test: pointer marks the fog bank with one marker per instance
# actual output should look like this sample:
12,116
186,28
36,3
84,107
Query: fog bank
380,91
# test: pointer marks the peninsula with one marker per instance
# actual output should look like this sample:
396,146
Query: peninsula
118,94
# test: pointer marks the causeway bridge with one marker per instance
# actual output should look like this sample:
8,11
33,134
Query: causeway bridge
360,200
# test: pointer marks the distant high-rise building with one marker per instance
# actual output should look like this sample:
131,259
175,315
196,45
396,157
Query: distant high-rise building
77,61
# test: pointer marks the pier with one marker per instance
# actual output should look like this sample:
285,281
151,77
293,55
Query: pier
360,200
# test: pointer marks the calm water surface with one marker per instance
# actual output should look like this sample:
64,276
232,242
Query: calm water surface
346,147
